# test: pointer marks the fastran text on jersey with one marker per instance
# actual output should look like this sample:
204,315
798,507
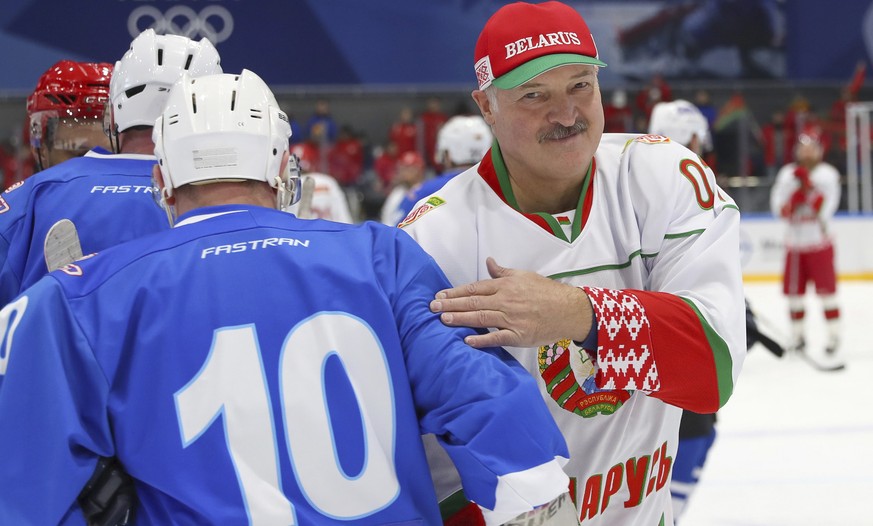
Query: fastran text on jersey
254,244
122,189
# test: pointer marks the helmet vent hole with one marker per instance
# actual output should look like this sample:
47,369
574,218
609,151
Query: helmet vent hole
275,151
232,100
256,113
134,90
188,62
160,57
194,102
174,119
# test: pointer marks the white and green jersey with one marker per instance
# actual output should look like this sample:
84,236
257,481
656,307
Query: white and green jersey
655,243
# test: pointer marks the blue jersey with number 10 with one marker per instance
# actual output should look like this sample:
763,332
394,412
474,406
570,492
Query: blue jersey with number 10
251,367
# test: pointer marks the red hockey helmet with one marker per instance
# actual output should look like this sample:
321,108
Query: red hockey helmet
68,90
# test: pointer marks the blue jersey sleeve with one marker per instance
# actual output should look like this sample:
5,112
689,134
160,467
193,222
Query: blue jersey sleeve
14,215
482,405
9,281
52,409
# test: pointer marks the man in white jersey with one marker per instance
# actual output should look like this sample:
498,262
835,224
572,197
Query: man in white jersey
806,194
250,367
620,290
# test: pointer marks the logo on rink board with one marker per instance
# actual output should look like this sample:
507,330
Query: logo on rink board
560,365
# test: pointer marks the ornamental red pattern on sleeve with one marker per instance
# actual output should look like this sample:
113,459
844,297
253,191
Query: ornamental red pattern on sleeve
657,250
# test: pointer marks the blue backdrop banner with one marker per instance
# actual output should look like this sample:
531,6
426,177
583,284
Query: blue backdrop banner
393,43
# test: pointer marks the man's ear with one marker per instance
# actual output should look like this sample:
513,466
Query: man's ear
484,104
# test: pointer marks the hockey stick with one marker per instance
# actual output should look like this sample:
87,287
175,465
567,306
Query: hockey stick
304,211
61,246
815,364
770,344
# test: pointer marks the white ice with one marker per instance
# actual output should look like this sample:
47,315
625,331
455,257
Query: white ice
795,445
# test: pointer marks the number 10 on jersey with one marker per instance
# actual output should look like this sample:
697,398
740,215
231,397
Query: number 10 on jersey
232,387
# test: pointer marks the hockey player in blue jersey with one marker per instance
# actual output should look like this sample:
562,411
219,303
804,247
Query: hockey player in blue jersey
106,196
249,367
65,111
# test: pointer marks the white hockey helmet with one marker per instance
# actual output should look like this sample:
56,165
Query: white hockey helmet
142,78
680,120
465,139
224,128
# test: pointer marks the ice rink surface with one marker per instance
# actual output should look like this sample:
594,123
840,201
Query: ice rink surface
795,445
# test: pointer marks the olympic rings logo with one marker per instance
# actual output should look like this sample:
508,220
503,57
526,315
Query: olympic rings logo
183,20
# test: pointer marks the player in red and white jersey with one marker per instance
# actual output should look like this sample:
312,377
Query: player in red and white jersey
806,194
616,258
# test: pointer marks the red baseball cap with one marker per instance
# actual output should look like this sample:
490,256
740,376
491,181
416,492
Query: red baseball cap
521,41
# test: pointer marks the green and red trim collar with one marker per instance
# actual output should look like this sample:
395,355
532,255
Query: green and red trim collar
493,170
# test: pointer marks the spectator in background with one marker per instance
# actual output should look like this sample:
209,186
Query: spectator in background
16,161
619,117
836,124
431,120
346,158
404,133
385,166
657,90
65,111
410,173
806,194
321,131
776,144
704,104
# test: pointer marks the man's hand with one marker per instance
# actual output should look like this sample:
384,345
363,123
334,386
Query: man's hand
527,309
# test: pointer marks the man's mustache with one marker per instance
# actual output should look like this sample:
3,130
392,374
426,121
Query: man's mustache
562,132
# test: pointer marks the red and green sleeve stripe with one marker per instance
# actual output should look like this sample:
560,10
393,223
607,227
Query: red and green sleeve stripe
660,343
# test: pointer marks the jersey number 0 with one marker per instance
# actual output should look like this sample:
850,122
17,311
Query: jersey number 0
232,385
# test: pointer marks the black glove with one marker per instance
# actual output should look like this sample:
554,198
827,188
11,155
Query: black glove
108,498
